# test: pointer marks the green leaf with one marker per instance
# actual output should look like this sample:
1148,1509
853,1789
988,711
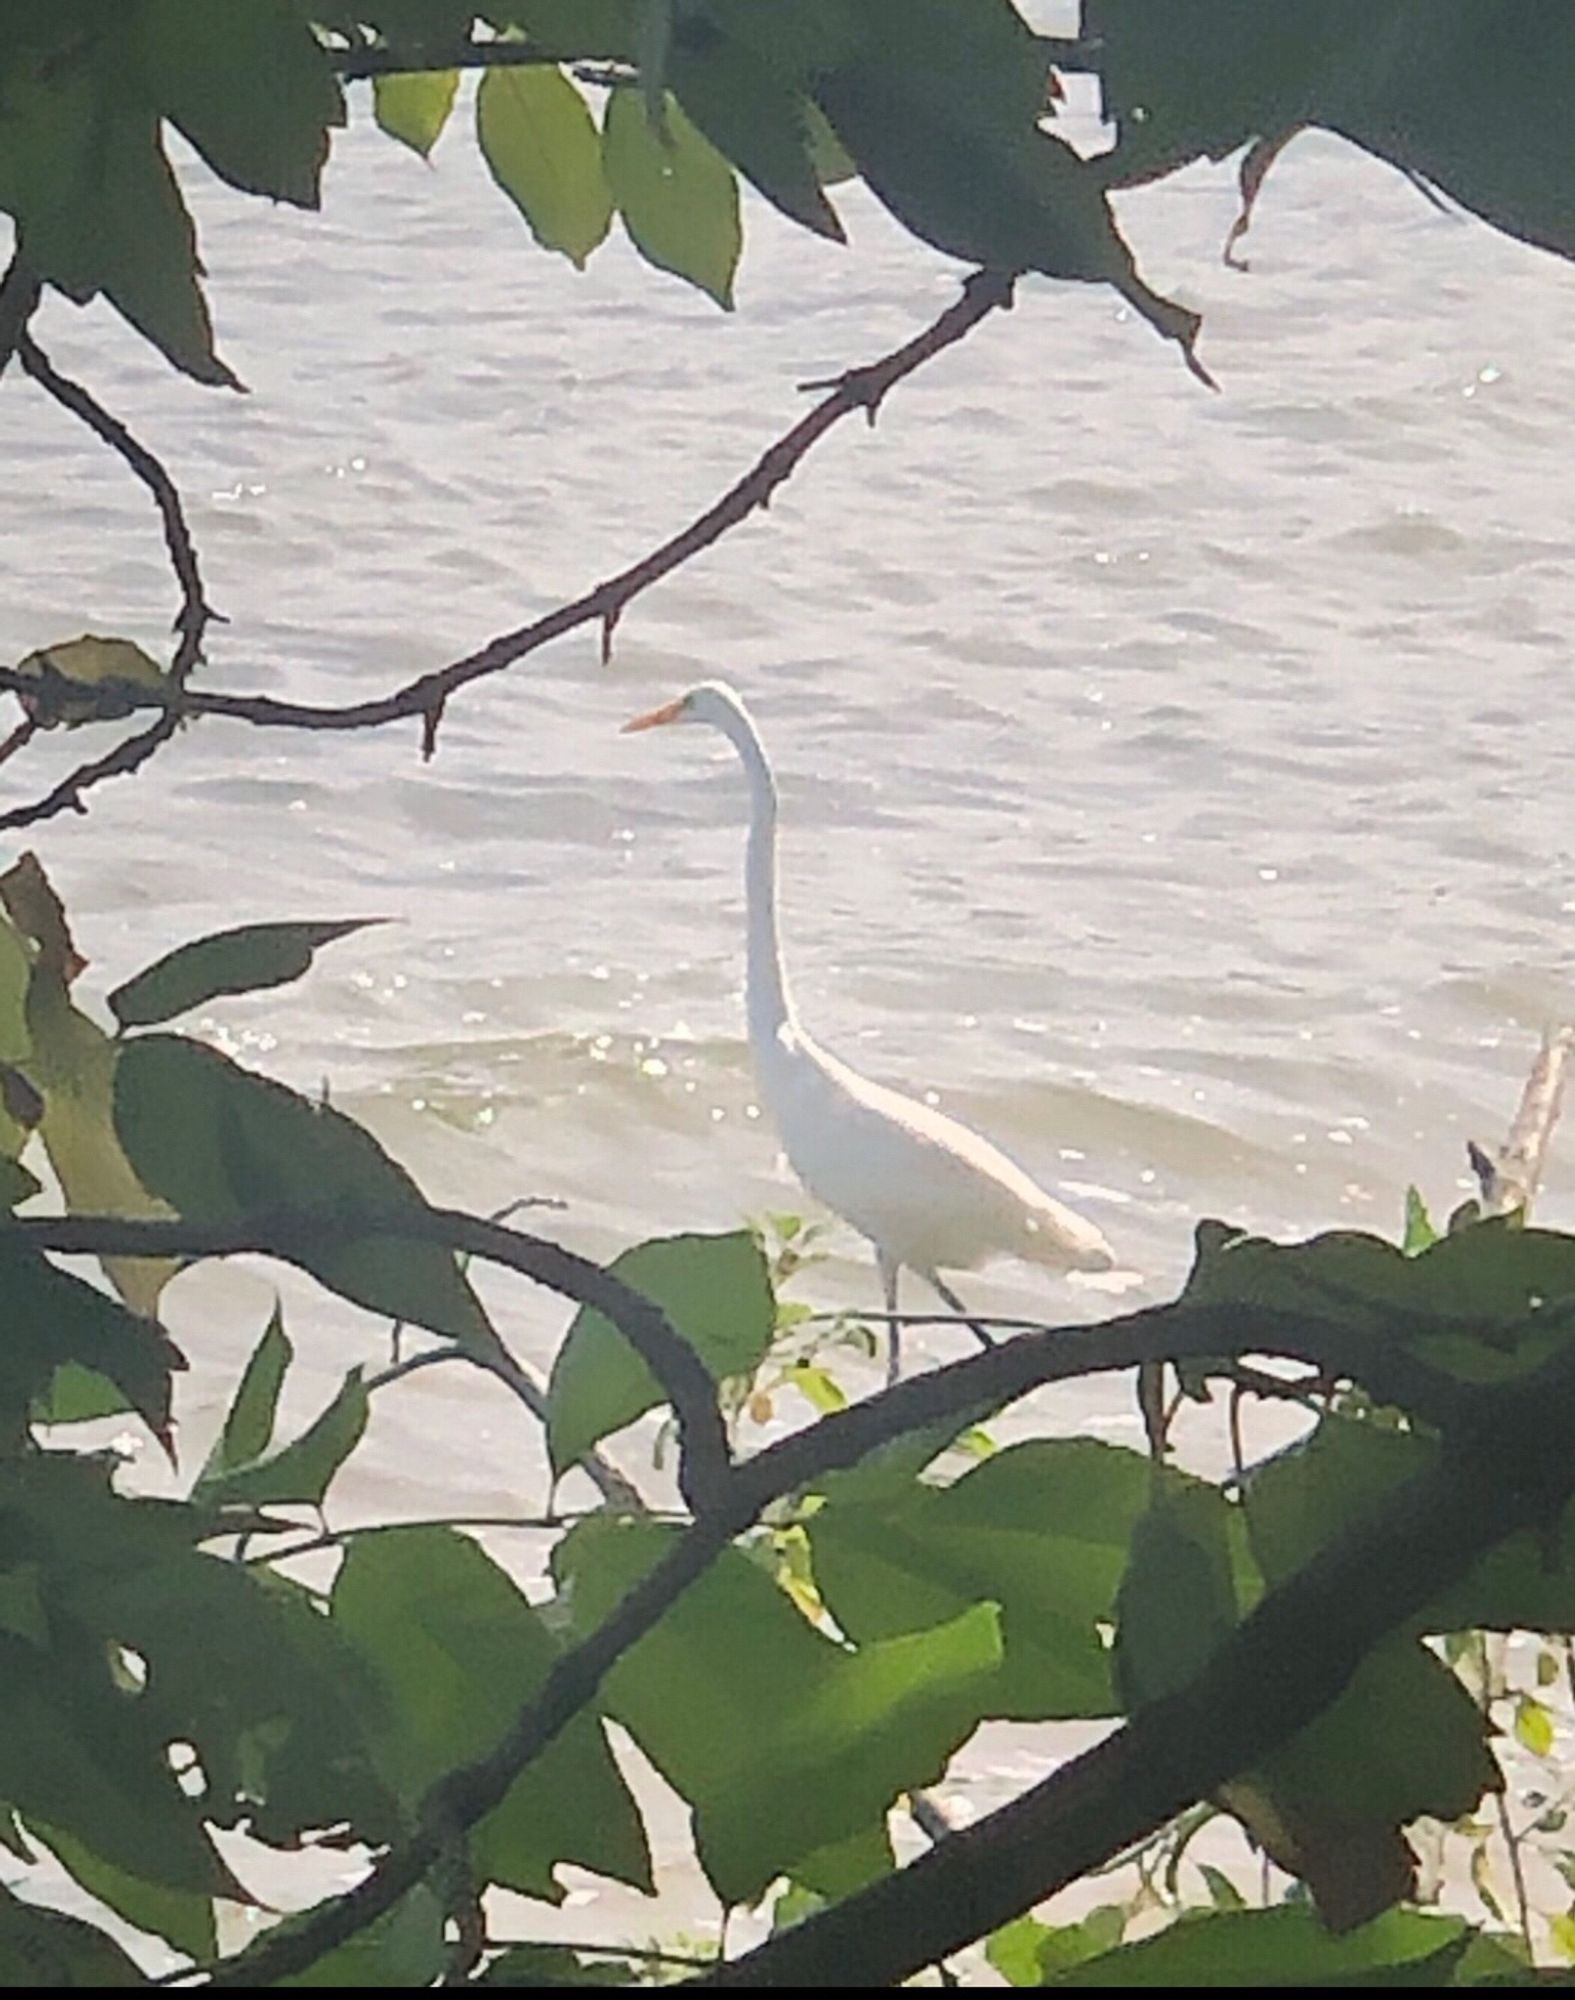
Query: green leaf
1041,1529
1178,1599
304,1470
52,1319
16,1183
179,1916
784,1743
76,1756
104,664
1419,1234
676,193
539,140
1403,1739
1344,1470
77,1395
553,1965
239,1664
405,1946
74,1065
1533,1725
573,29
414,107
1029,1953
716,1291
456,1651
760,123
239,961
1287,1946
248,1428
249,85
83,171
220,1143
42,1948
1223,1893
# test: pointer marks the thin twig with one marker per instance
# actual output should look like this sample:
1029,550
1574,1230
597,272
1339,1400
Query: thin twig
425,697
191,620
195,613
614,1488
333,1538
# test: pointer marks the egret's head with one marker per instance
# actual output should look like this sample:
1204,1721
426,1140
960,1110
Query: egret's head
712,702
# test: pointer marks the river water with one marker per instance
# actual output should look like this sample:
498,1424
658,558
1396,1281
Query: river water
1174,784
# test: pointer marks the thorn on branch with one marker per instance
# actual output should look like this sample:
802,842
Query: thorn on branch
431,719
609,627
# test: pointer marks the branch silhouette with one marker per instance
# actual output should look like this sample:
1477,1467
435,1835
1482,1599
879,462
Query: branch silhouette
191,621
858,389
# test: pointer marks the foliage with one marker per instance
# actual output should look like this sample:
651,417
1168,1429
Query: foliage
167,1678
231,1663
943,107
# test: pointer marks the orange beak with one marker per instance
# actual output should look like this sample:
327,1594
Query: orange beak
654,718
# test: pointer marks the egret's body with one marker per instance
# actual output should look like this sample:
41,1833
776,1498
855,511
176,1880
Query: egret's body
928,1193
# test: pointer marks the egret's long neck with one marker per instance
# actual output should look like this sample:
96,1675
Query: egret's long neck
769,1003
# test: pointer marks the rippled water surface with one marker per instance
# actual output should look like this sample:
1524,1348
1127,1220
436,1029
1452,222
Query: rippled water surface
1176,785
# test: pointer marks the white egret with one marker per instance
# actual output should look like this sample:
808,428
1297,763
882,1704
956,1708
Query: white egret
929,1194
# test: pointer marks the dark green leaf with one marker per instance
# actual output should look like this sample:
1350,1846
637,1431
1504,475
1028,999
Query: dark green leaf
83,170
1345,1469
16,966
42,1948
676,193
77,1395
403,1947
77,1755
456,1651
248,1428
239,961
541,144
553,1965
220,1143
716,1290
1178,1599
304,1470
1040,1529
414,107
783,1742
51,1318
759,123
250,86
179,1916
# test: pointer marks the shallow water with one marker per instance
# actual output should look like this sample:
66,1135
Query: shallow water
1174,784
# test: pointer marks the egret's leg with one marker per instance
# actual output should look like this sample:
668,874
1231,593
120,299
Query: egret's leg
888,1280
943,1291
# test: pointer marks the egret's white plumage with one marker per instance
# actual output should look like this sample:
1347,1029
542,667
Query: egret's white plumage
927,1192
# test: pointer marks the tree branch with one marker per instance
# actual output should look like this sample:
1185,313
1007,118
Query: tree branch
859,389
191,621
705,1462
463,1796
